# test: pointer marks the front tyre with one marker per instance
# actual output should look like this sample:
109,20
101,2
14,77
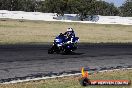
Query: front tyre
50,51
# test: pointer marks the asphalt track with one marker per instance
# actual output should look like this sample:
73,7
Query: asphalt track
25,61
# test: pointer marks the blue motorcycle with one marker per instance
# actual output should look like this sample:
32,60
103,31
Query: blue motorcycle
63,45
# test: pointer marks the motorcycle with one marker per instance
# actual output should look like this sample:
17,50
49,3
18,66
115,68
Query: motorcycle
63,45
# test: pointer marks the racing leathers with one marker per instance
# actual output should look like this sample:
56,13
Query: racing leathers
70,35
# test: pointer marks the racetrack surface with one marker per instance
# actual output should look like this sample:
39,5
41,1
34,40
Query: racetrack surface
17,61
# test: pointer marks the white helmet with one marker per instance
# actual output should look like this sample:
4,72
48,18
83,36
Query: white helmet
70,29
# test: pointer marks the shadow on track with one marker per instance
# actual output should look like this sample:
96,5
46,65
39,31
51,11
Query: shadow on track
74,53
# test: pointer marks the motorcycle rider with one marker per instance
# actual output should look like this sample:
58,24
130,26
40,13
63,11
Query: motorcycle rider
69,34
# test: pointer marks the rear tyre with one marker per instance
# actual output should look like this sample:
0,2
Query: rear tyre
66,51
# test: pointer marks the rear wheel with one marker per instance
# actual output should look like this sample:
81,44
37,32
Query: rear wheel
66,51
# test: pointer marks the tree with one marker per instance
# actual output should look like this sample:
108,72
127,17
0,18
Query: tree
104,8
5,4
19,5
126,8
81,7
27,5
55,6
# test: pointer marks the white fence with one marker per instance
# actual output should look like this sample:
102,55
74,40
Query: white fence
66,18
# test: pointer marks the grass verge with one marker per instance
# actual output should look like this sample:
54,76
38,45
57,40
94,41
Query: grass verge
14,31
72,82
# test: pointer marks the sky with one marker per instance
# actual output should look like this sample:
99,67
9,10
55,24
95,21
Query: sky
116,2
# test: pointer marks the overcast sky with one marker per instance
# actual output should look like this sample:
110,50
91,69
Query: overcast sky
116,2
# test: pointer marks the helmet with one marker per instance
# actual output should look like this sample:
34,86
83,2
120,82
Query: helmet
70,29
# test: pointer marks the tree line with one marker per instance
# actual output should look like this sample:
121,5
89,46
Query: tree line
81,7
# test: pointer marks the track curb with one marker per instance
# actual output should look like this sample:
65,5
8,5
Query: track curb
61,76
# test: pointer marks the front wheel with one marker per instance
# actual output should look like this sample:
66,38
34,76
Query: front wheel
54,49
50,51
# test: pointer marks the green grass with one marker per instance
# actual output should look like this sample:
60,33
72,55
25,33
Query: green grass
13,31
72,82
